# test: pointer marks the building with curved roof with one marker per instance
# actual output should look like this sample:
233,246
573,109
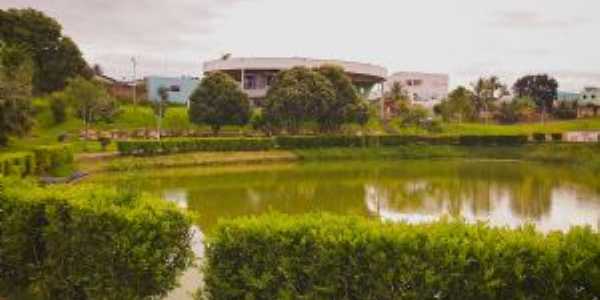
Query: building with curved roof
256,74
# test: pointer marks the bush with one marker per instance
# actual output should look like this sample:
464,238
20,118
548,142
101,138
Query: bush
321,141
49,159
492,140
86,242
539,137
104,142
17,164
556,137
148,147
325,257
58,106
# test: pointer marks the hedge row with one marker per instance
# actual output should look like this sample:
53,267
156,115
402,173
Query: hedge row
148,147
49,158
493,140
303,142
88,242
17,164
326,257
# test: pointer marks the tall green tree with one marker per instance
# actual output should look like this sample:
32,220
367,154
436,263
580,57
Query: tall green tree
486,92
219,101
541,88
16,73
399,98
346,105
56,57
91,102
299,95
458,106
160,107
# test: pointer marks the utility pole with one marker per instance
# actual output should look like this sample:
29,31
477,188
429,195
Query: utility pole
134,63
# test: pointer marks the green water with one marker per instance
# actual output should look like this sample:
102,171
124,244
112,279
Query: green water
504,193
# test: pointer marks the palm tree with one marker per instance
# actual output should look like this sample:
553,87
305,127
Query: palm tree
160,107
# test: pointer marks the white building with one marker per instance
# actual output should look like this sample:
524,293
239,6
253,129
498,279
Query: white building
590,95
426,89
256,74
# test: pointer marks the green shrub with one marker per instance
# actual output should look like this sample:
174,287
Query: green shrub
304,142
325,257
86,242
556,137
539,137
149,147
321,141
17,164
49,159
492,140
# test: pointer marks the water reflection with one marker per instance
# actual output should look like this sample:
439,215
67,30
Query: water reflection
503,193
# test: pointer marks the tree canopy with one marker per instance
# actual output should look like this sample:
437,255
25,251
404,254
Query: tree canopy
299,95
15,92
458,106
56,58
219,101
541,88
346,106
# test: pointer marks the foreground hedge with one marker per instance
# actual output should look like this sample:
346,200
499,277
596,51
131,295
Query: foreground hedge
325,257
17,164
87,242
150,147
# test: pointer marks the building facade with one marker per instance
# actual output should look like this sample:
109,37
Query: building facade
426,89
179,89
590,96
256,75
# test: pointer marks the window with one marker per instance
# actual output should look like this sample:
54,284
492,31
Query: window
249,82
174,88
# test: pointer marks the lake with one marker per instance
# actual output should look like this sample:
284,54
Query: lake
503,193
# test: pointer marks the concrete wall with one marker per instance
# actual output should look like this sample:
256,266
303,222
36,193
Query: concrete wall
426,89
179,88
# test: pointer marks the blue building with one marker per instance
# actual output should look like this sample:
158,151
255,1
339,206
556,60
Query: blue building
179,88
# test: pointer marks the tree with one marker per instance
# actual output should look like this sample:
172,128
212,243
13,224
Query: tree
58,106
160,107
299,95
346,103
98,70
56,58
487,91
541,88
16,75
219,101
458,106
518,109
399,98
91,101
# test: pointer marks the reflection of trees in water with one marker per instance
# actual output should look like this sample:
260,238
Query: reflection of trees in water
472,188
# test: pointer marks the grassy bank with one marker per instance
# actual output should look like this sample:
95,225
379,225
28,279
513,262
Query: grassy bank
588,154
185,160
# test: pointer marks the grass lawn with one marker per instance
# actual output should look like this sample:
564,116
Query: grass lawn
45,132
120,163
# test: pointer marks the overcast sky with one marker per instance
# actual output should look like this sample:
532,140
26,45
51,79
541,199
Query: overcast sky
464,38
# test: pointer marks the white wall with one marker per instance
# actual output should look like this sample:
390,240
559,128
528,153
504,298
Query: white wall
426,89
